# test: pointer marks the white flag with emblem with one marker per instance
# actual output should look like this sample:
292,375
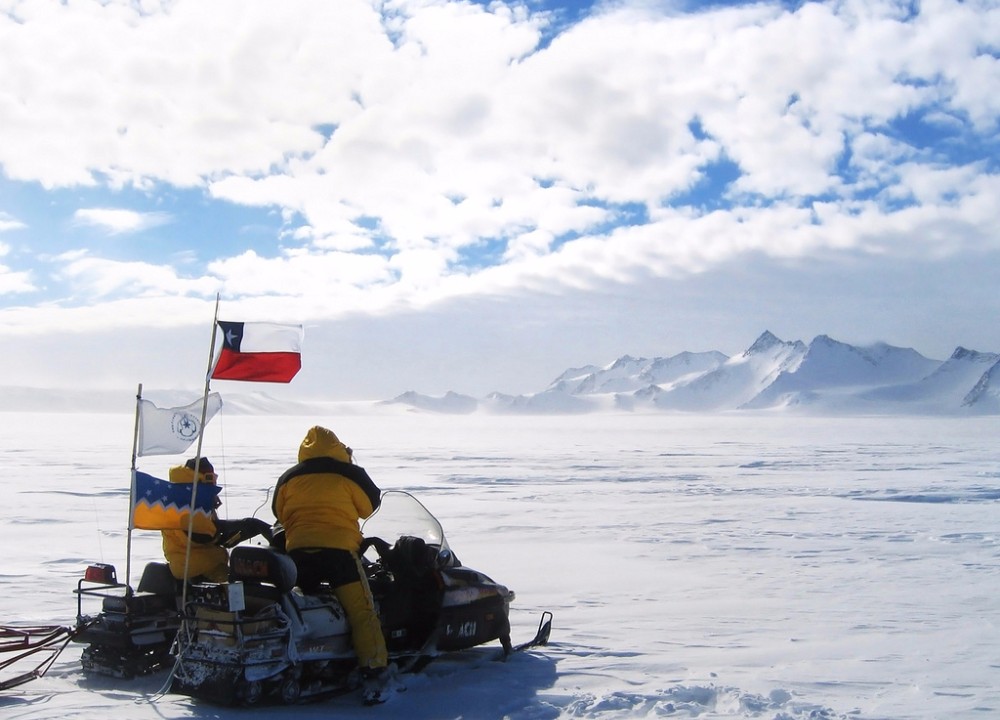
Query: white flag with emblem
169,431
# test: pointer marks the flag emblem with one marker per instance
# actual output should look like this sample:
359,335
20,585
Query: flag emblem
184,425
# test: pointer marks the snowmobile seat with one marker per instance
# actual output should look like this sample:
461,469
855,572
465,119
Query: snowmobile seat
158,580
261,567
137,604
156,593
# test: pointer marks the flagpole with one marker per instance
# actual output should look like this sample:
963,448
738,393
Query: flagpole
131,491
197,456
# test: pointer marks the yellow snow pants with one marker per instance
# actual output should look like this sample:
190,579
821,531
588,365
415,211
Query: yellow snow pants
366,632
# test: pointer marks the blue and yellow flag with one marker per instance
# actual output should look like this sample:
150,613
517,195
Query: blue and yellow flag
163,505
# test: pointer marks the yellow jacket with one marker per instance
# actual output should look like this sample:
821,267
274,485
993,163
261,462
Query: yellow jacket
206,558
321,500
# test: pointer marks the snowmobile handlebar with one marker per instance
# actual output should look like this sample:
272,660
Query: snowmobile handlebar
381,546
232,532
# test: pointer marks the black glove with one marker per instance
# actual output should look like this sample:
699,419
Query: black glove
233,532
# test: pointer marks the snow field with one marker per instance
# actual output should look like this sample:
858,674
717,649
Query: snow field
722,566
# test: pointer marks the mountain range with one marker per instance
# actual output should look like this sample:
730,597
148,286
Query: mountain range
772,375
825,376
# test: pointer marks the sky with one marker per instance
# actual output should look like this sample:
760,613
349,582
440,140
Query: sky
475,196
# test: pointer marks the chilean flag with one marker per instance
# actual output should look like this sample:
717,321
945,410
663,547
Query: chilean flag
259,352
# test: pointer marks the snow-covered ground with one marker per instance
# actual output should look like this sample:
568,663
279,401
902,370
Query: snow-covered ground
750,566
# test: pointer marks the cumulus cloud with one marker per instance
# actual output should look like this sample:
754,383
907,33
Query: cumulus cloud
12,281
428,149
8,222
300,274
98,278
120,222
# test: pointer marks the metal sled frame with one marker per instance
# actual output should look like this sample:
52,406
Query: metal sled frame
27,640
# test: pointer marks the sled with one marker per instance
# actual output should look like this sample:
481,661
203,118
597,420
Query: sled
35,646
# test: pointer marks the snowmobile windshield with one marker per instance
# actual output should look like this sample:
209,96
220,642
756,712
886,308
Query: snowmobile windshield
402,514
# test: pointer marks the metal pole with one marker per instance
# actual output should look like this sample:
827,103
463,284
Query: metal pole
197,460
131,492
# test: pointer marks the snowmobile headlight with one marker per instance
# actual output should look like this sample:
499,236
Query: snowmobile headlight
101,573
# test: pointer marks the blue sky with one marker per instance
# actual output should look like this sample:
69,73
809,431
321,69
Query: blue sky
475,196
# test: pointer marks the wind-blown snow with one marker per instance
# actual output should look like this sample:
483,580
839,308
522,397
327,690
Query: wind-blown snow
449,403
751,566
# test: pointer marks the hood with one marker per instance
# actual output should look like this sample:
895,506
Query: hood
320,442
183,474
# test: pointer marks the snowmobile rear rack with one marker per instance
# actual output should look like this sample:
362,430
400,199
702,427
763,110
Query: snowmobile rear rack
135,629
24,641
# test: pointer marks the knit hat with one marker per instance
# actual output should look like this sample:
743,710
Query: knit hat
204,465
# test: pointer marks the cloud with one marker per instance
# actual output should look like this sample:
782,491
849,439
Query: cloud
120,222
97,278
7,223
425,151
12,282
301,274
473,139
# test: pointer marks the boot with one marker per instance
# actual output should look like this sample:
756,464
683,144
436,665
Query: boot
374,685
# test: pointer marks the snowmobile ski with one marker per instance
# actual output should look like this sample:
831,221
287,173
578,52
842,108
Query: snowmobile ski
540,639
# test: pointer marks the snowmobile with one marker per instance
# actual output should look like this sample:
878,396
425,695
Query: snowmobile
259,638
135,630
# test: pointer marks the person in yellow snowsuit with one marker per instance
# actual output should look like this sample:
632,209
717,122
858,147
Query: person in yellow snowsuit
209,558
320,502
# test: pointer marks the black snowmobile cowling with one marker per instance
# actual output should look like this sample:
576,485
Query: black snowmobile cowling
259,638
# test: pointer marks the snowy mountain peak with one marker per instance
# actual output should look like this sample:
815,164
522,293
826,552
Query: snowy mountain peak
967,355
985,396
765,342
625,361
825,349
576,373
629,374
830,371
